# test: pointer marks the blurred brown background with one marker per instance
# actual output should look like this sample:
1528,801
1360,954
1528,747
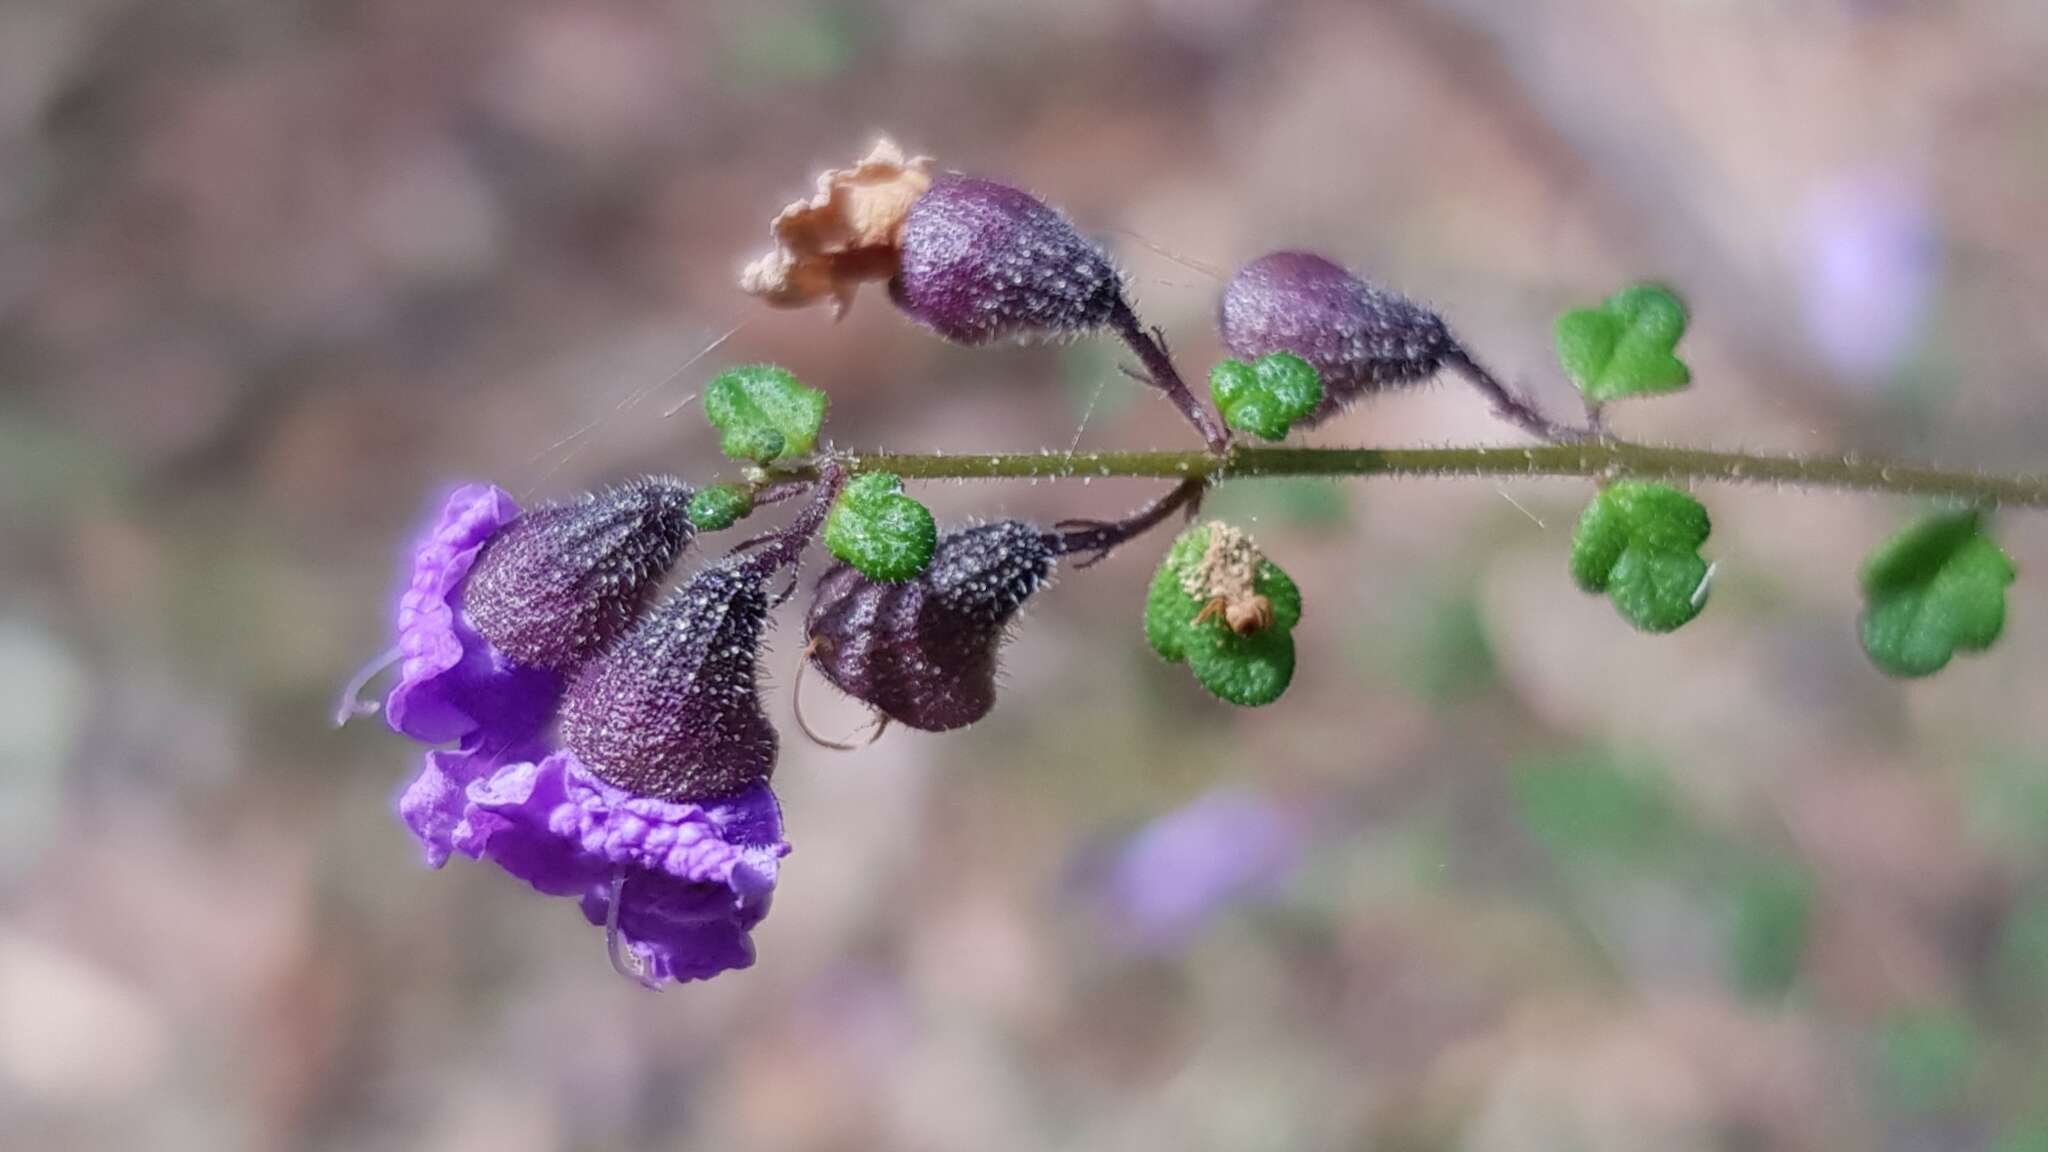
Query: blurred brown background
1497,875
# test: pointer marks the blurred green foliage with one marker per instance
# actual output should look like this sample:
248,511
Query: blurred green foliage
1593,806
2026,1136
1772,918
1594,809
1925,1058
1447,657
1290,502
789,41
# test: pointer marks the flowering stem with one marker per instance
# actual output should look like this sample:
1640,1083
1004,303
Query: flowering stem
1598,458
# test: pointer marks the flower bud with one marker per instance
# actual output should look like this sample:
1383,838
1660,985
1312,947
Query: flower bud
1359,338
982,261
673,711
923,652
554,587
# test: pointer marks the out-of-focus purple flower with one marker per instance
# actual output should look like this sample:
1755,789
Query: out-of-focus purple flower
691,879
1870,265
1227,847
453,685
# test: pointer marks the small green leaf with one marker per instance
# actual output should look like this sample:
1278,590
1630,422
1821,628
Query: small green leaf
1639,543
1266,397
1933,589
763,414
877,529
1625,346
720,506
1246,670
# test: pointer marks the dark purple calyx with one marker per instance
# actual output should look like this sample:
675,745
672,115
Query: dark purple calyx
982,261
923,653
1359,338
673,710
557,585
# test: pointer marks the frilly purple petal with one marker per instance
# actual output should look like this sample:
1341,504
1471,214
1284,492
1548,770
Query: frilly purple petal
452,684
432,804
697,877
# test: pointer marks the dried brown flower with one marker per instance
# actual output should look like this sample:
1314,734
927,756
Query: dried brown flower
847,234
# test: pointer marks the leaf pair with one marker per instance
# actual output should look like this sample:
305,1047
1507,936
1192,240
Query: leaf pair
876,528
1267,396
1640,544
1626,346
1933,590
763,413
1249,662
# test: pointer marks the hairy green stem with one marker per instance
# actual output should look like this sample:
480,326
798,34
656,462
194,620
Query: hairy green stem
1593,458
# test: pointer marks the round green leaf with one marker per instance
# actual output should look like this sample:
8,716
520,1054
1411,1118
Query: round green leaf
1265,398
1245,670
763,414
1625,347
720,506
1934,589
1639,543
877,529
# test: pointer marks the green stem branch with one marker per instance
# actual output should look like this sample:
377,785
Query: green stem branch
1591,458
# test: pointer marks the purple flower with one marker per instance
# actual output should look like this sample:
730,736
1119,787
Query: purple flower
1360,338
677,880
691,880
983,261
555,587
674,709
1870,270
1226,847
923,652
453,684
